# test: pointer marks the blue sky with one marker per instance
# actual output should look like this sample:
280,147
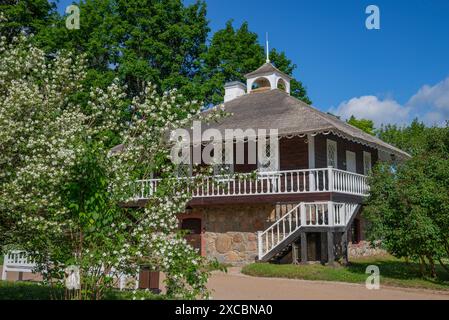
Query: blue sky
389,75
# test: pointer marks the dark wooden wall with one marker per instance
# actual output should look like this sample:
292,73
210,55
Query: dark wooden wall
293,153
245,167
342,146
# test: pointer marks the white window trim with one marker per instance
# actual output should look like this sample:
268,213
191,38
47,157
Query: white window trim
217,167
355,160
328,143
184,164
190,170
367,155
262,169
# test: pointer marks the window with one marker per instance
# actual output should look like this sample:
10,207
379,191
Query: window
366,162
331,153
184,168
268,158
223,168
350,161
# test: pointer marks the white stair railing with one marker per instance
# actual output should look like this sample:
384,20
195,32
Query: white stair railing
279,231
311,214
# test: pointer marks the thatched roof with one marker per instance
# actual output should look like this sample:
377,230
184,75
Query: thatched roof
275,109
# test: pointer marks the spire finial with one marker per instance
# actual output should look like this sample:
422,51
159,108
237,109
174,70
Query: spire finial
267,50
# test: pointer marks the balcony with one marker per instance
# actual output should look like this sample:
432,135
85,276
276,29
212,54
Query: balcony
306,181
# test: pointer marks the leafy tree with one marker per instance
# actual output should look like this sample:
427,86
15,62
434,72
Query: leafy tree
96,39
161,41
411,138
139,41
61,188
363,124
26,16
408,206
234,52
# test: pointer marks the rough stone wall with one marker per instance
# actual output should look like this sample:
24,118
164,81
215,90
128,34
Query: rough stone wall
363,249
231,231
236,248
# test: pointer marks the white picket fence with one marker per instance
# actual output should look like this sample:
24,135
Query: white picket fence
19,261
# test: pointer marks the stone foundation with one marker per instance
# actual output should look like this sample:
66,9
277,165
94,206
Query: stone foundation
363,249
236,248
230,231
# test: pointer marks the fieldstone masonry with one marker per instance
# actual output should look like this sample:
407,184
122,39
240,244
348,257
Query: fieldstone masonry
364,249
236,248
231,231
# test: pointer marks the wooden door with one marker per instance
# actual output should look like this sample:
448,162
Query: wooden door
193,226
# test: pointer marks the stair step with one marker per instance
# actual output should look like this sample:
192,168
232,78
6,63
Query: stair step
273,243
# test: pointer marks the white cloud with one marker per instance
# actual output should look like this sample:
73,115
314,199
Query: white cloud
430,104
433,102
371,107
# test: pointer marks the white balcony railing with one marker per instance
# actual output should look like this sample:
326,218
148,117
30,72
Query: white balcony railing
270,183
305,214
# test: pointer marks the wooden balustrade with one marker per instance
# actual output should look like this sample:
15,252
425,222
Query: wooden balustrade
269,183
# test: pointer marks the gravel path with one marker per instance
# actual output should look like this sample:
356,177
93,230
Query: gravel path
235,285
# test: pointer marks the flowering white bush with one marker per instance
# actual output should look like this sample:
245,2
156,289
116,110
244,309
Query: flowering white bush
62,189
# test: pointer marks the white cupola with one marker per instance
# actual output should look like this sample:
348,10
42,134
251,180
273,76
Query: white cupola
267,77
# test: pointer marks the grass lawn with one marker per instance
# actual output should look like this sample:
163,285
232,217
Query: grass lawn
34,291
25,291
393,272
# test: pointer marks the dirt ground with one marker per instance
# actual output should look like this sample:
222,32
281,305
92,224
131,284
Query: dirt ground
234,285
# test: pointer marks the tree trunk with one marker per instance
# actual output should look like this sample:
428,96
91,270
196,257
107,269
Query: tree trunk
443,265
433,272
422,266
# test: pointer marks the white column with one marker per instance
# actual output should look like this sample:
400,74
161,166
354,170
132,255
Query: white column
330,173
303,214
259,244
4,270
311,150
311,155
330,213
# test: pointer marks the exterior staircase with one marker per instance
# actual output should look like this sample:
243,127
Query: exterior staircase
277,240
